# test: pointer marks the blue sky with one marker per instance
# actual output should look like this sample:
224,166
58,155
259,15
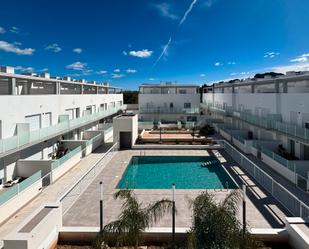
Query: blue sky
133,42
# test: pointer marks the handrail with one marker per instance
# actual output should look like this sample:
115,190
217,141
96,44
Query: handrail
86,173
272,179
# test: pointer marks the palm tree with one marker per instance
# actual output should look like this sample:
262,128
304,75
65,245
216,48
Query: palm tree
215,225
133,220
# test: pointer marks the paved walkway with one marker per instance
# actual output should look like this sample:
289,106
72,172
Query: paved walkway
262,210
279,178
53,192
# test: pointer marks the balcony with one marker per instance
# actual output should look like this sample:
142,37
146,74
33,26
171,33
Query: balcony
273,122
27,138
165,110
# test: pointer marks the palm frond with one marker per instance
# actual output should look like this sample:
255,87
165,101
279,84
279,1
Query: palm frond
230,203
155,211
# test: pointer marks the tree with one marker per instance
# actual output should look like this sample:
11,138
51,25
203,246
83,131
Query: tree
207,130
215,225
130,97
133,220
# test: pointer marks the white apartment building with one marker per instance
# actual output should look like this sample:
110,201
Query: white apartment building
168,102
268,117
39,111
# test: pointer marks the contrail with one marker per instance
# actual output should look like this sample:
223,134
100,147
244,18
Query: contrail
187,13
165,48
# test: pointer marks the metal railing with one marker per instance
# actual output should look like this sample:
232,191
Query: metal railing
169,110
292,203
24,138
18,188
69,197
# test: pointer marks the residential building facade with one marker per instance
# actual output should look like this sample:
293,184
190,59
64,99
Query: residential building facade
268,117
39,111
168,102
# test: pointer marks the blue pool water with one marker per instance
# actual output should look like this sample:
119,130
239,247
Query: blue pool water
160,172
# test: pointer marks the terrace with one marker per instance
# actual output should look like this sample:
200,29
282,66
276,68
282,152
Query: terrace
28,138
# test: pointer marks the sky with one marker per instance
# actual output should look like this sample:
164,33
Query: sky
130,42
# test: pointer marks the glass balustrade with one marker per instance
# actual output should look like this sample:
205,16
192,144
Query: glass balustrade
24,138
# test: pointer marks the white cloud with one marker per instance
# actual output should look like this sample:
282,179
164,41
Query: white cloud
2,30
24,69
117,70
245,73
187,12
117,76
77,50
54,48
14,30
43,70
124,53
101,72
271,54
77,66
301,59
165,10
241,73
202,75
129,70
145,53
12,48
231,63
292,67
151,79
217,64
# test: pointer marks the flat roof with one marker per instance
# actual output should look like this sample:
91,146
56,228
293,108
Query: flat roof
261,81
42,79
169,85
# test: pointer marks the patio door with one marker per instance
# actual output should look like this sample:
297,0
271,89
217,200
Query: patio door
34,122
292,147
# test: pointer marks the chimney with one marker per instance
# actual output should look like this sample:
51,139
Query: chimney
6,69
45,75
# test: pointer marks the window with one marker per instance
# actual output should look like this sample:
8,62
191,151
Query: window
182,91
307,125
191,119
34,122
171,105
187,105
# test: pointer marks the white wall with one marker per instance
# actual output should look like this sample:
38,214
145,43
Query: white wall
19,106
125,124
178,100
27,168
43,235
275,103
17,202
66,166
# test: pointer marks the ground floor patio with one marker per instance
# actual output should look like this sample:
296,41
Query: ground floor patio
263,211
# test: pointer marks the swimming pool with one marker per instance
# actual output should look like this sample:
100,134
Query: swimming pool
160,172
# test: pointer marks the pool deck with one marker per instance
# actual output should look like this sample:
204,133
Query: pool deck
262,210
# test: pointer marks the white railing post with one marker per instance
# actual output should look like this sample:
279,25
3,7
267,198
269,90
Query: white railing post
272,187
